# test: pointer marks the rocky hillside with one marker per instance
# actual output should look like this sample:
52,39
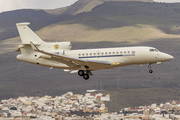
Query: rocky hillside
42,18
84,6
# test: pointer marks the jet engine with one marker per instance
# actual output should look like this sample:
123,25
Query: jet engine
64,45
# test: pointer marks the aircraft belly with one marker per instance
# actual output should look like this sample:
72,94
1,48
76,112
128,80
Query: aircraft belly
119,61
144,59
115,62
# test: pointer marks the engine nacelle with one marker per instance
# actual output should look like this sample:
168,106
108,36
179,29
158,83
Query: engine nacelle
64,45
55,47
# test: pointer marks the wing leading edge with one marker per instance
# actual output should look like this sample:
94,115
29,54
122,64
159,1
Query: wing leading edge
72,62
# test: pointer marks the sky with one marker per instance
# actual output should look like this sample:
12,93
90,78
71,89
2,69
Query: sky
8,5
167,1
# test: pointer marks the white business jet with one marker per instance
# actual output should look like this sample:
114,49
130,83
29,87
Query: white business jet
59,55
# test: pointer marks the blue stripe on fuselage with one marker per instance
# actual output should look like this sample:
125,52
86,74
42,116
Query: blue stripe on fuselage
107,56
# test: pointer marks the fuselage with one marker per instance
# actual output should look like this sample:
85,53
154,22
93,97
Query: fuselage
59,55
120,56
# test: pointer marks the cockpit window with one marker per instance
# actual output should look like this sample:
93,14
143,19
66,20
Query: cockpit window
153,50
156,50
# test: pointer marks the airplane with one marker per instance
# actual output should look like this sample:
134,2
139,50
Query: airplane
59,55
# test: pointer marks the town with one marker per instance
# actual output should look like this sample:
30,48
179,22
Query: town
89,106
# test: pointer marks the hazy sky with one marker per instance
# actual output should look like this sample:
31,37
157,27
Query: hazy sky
168,1
7,5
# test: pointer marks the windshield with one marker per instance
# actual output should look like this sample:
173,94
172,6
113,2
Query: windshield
153,50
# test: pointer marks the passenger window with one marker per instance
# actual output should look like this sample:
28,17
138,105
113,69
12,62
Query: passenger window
124,51
90,53
102,53
94,53
117,53
109,52
106,53
86,54
113,52
128,51
79,54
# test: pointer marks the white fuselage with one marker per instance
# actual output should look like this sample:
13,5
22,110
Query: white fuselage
59,54
118,57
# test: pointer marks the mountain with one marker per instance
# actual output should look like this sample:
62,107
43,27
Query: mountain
119,14
84,6
131,21
38,19
98,14
42,18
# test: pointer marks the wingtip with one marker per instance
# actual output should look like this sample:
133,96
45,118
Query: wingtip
23,24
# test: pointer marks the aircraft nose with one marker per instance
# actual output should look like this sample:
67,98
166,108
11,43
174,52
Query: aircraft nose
168,57
171,57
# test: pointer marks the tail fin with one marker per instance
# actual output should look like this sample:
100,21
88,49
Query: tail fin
27,34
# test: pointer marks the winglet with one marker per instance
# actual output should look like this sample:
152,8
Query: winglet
34,47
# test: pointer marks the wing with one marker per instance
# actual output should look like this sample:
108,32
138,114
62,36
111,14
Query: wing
69,60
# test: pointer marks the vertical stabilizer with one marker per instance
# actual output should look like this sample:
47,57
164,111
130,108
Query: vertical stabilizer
27,34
